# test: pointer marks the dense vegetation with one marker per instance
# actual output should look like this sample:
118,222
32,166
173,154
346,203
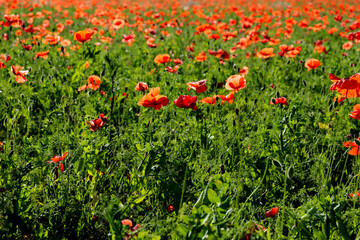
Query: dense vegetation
266,149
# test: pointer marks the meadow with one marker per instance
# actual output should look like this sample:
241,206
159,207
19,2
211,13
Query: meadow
179,119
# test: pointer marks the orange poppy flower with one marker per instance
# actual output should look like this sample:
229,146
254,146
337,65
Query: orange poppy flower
209,100
162,58
87,64
153,99
235,83
56,159
244,71
201,57
312,63
355,149
228,98
280,100
118,23
93,82
44,55
347,45
355,114
199,86
83,36
19,75
265,53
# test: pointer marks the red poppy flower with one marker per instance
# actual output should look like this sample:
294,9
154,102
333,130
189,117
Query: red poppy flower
153,99
19,75
186,101
348,87
228,98
312,64
129,39
83,36
198,86
141,86
27,47
98,122
235,83
170,208
272,212
12,20
172,70
281,100
209,100
355,114
162,59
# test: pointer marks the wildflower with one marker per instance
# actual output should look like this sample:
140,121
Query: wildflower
27,47
12,20
265,53
162,58
201,57
153,99
355,114
312,63
118,23
58,159
98,122
209,100
93,82
83,36
19,75
355,150
228,98
198,86
44,55
281,100
348,87
235,83
272,212
141,86
186,101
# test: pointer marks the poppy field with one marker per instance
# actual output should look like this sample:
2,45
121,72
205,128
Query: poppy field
179,119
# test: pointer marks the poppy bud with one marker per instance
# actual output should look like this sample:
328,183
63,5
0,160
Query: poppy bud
246,99
272,86
175,113
234,123
103,73
255,101
353,65
22,95
237,111
10,28
234,66
323,68
219,69
301,62
126,88
63,49
304,83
